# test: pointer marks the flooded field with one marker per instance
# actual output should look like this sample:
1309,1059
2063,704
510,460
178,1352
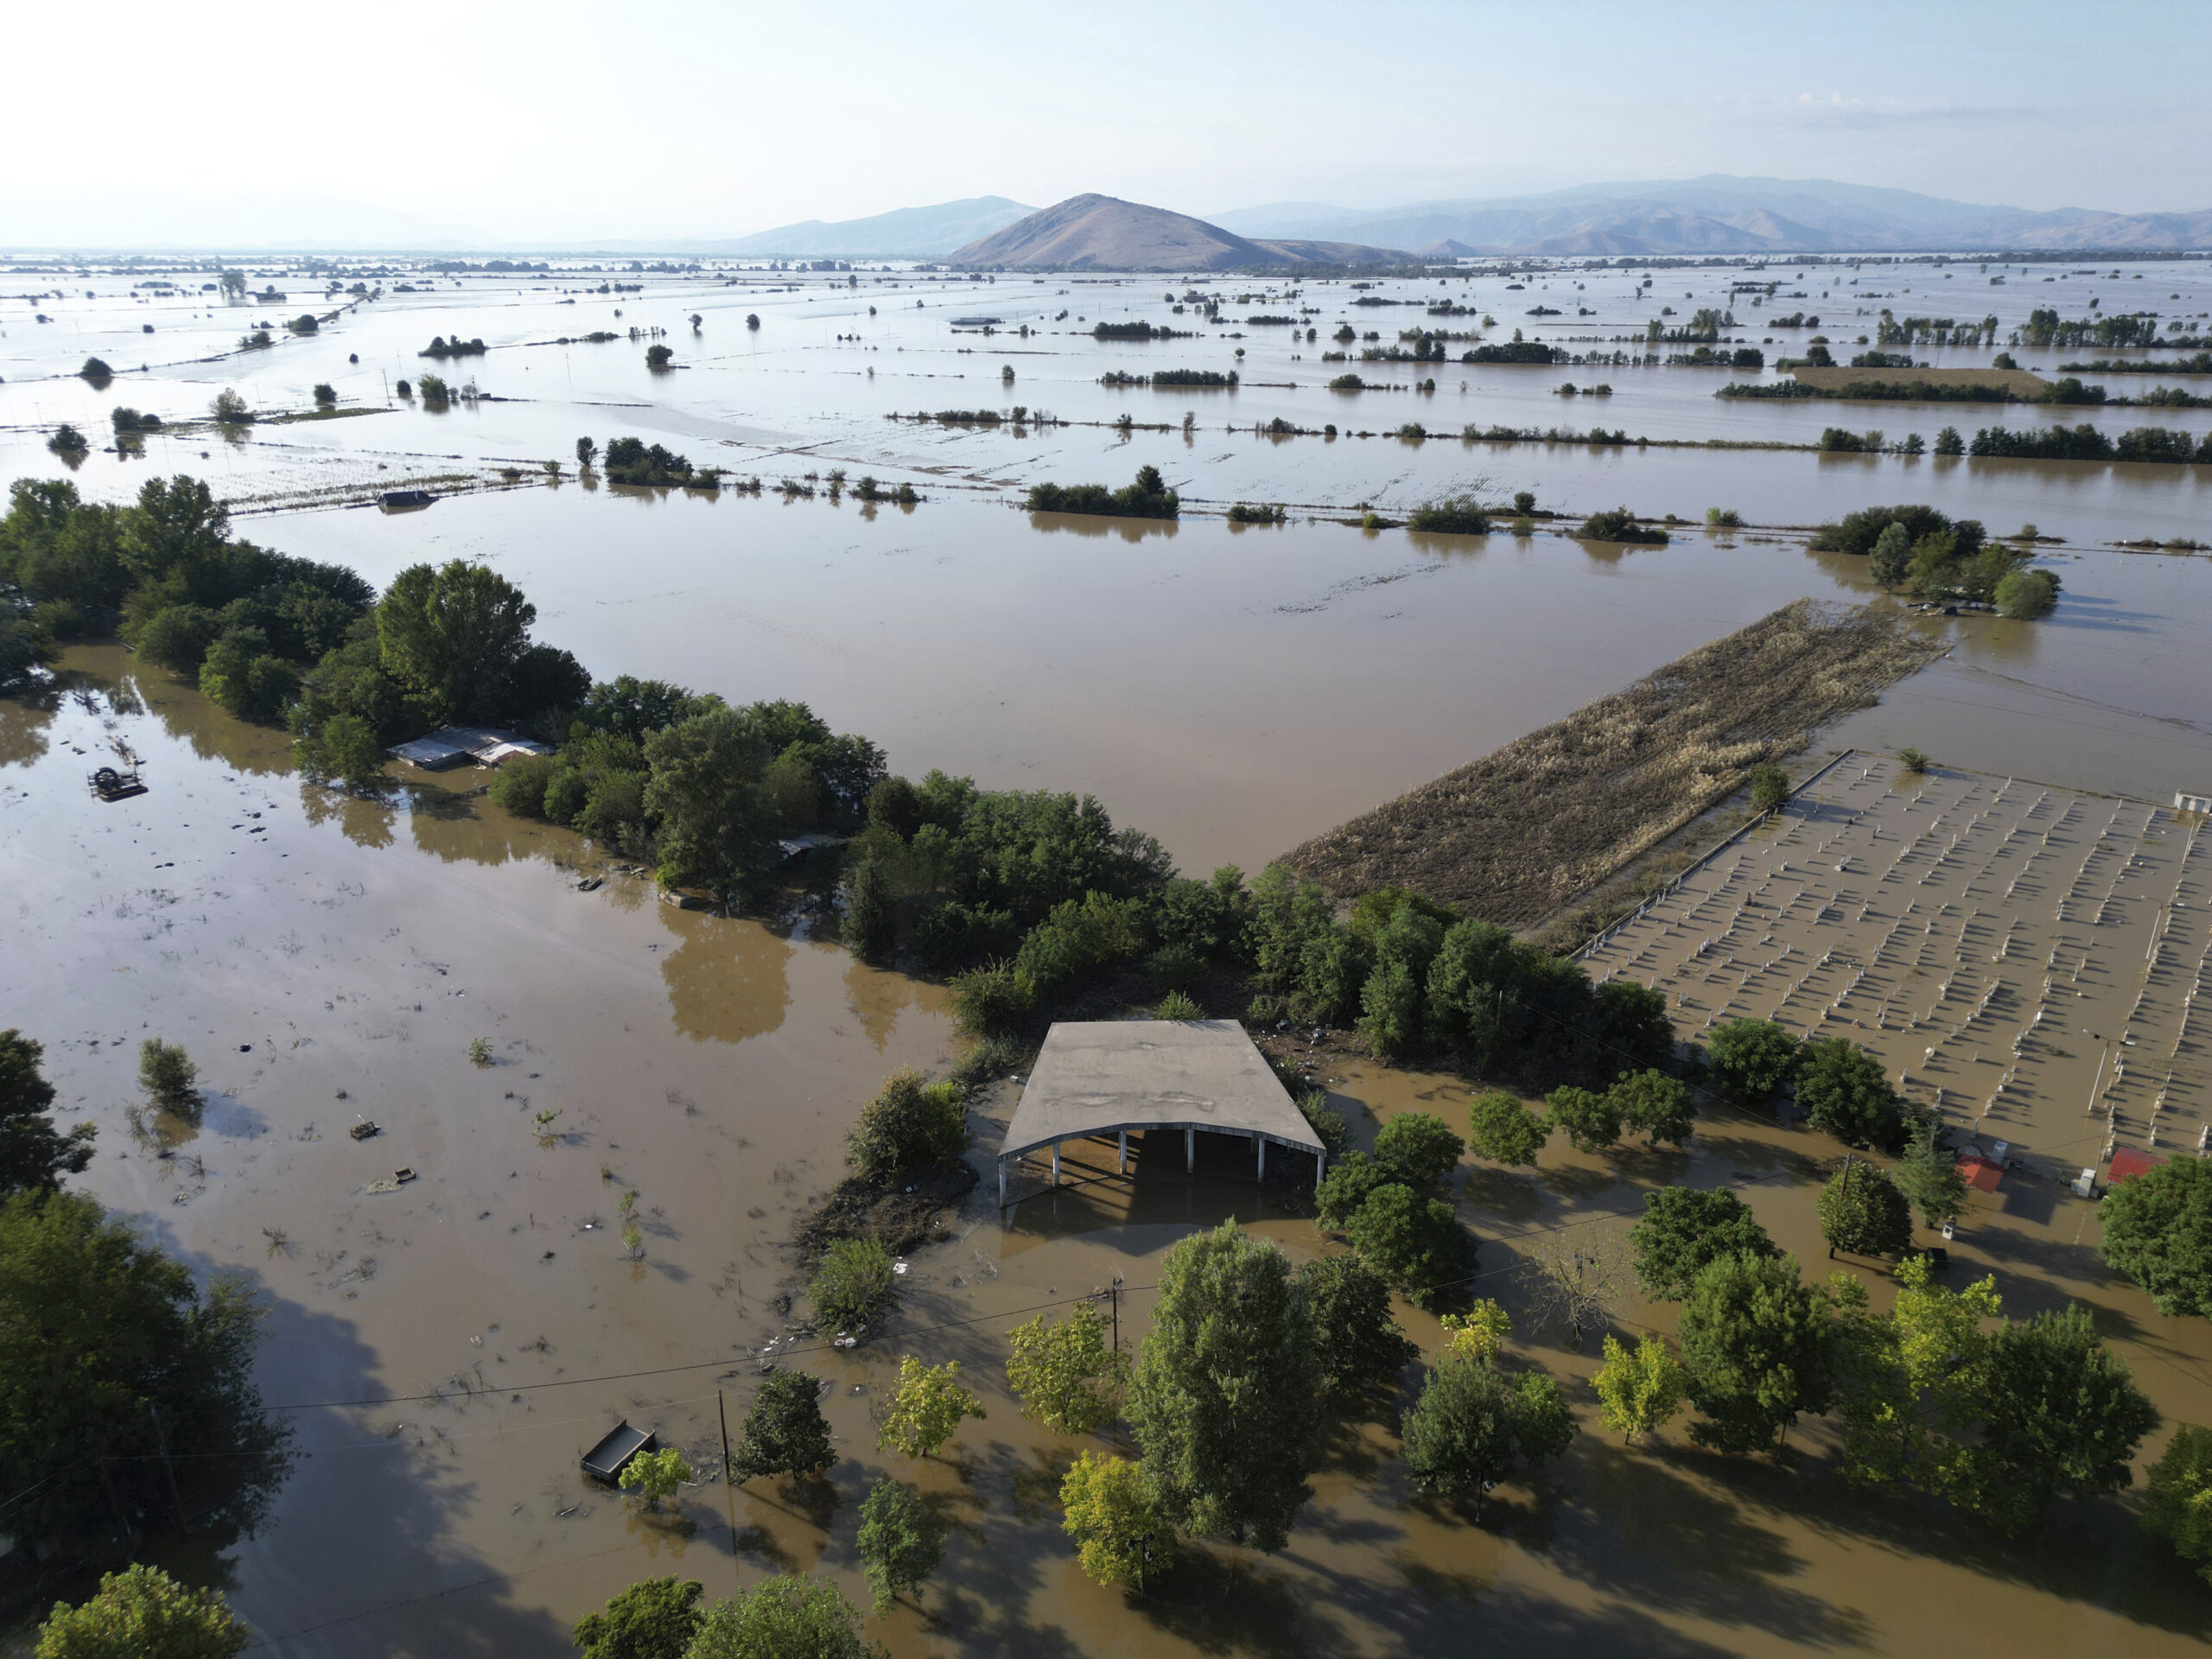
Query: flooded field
1233,689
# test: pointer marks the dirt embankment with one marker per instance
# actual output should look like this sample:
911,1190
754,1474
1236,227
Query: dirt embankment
1519,833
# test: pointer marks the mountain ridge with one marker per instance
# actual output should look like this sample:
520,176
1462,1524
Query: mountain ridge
1098,232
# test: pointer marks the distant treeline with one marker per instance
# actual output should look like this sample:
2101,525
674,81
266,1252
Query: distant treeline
2201,364
2085,442
2047,328
1171,378
1137,331
440,346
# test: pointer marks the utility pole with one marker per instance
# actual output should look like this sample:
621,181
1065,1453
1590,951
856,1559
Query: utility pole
1117,1313
729,1487
160,1440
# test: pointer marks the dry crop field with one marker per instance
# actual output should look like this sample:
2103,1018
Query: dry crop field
2026,958
1514,835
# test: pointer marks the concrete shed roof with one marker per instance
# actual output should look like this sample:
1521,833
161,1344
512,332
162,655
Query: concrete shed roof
1096,1076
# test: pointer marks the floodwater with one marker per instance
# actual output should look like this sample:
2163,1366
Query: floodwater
1233,690
710,1066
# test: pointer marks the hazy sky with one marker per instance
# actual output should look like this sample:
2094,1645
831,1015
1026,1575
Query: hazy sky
126,121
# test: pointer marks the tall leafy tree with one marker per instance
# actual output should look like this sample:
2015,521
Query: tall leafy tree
784,1431
1862,1213
143,1614
654,1618
1929,1179
1471,1427
1064,1374
928,1408
2177,1498
454,634
2062,1414
1639,1388
901,1541
2157,1230
1418,1148
1224,1399
1756,1341
1658,1107
784,1618
1359,1343
1505,1131
1108,1505
1752,1058
705,789
1683,1228
108,1350
1843,1090
32,1152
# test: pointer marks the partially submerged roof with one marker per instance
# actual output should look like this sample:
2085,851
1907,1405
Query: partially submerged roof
486,745
1981,1173
1097,1077
2127,1163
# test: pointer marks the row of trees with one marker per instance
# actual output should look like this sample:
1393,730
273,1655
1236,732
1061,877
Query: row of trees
1149,497
1934,556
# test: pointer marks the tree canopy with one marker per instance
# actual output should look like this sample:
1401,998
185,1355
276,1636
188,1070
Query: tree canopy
1357,1342
32,1152
454,634
1225,1398
654,1618
783,1618
1471,1427
2157,1230
1064,1373
784,1431
143,1614
1755,1342
1684,1228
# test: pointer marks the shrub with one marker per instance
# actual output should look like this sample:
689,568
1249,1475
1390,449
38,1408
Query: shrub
784,1432
1176,1005
229,409
1418,1148
1619,524
96,371
167,1074
991,1001
2027,593
656,357
1109,1507
326,395
654,1475
1457,515
908,1124
1770,787
519,785
1913,761
851,1282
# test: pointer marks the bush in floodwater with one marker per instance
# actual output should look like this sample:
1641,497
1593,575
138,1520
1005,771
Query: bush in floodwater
1722,518
909,1124
1455,515
1619,524
326,395
229,409
2026,592
1347,383
853,1281
67,441
1770,787
658,357
1147,498
1252,512
167,1074
1915,761
436,393
96,373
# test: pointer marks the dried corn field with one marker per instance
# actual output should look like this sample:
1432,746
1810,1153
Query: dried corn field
1514,835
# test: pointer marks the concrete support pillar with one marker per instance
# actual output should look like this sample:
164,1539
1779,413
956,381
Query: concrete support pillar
1190,1151
1125,1152
1320,1168
1001,1183
1056,1163
1260,1141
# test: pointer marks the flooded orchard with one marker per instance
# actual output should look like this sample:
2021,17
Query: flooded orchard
447,1348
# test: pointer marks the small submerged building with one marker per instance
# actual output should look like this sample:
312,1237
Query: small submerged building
1097,1077
454,746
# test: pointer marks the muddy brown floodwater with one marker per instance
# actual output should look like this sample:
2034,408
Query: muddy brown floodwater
301,945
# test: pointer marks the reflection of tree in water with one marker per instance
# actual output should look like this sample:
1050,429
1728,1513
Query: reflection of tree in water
365,820
450,827
727,980
24,721
876,999
214,735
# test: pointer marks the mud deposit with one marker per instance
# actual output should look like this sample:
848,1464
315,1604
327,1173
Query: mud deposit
449,1350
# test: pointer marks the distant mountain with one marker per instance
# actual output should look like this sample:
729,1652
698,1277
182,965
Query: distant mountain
1720,213
905,233
1095,233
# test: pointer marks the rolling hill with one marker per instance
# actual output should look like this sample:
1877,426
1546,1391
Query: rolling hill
1095,233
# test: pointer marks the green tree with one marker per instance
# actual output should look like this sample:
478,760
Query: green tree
704,788
783,1618
2027,593
1350,1181
2177,1497
1471,1428
1419,1147
241,676
1658,1107
167,1074
1416,1240
143,1614
1891,556
1503,1130
1755,1342
654,1618
784,1432
655,1476
1225,1401
1751,1057
1929,1178
33,1154
454,634
177,637
344,749
1842,1090
1684,1228
2061,1415
109,1344
2157,1230
1108,1506
1862,1213
1770,787
1064,1374
1639,1388
1359,1345
1590,1122
871,920
901,1541
851,1283
909,1124
931,1404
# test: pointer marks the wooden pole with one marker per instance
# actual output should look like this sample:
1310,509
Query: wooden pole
160,1440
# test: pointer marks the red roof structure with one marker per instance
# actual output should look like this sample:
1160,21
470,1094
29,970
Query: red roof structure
1980,1172
2127,1163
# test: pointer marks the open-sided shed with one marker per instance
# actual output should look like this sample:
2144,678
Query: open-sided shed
1109,1077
